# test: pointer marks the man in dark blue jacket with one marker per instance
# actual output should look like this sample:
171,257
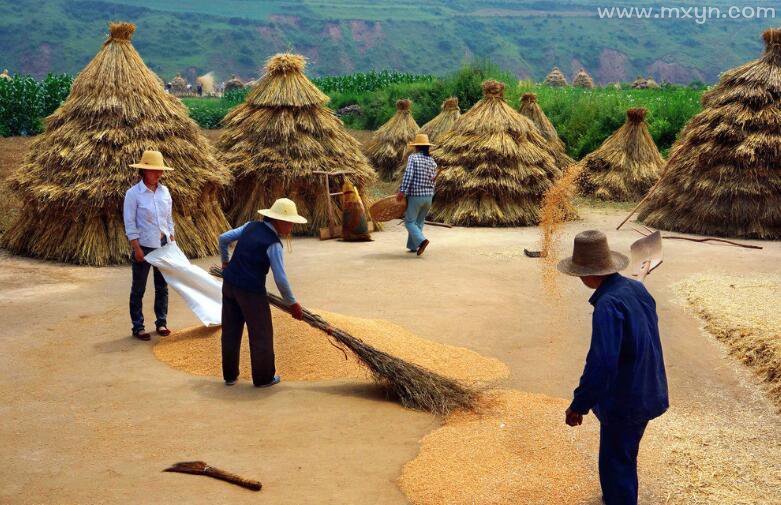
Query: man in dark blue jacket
624,381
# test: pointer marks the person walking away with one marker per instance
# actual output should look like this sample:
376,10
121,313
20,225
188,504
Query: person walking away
417,186
244,300
149,224
624,381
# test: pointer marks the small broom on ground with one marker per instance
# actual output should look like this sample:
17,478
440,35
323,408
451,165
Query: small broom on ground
413,385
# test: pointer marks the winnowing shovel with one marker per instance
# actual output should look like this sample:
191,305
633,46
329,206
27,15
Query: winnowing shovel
646,255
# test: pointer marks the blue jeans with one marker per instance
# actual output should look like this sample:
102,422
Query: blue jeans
415,218
619,444
140,276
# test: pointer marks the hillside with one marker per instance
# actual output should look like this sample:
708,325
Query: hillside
343,36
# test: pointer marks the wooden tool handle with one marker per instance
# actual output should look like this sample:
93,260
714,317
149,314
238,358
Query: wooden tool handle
216,473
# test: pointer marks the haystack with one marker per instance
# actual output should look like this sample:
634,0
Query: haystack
5,75
179,85
443,121
275,141
639,83
532,110
556,78
650,83
626,165
73,181
234,83
207,83
723,176
583,80
389,143
495,166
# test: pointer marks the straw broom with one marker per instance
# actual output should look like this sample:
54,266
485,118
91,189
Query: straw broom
414,386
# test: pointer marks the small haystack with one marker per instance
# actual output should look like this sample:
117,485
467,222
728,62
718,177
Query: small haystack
556,78
650,83
389,143
639,83
583,80
443,121
179,85
275,141
532,110
723,176
233,83
207,83
626,165
73,181
495,166
5,75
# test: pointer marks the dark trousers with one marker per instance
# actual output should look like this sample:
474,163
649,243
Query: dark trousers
240,306
618,447
140,276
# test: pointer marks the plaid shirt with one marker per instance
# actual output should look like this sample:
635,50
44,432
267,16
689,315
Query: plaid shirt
419,176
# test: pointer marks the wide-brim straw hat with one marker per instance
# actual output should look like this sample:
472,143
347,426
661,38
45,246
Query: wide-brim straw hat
421,139
284,209
592,256
151,160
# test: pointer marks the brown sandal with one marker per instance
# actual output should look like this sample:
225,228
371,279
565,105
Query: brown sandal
163,331
142,335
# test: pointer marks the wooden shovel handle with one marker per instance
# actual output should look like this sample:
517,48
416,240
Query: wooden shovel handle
216,473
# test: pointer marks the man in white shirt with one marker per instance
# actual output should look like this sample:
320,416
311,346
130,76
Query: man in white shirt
149,224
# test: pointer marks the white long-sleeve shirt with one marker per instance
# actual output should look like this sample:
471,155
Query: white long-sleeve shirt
148,214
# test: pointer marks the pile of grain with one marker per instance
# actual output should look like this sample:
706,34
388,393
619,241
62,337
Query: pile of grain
742,313
306,354
711,452
518,450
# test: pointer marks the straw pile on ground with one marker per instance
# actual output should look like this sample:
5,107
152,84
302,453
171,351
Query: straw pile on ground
5,75
275,141
518,450
583,80
179,85
443,121
639,83
723,176
556,78
389,143
626,165
532,110
495,166
234,83
74,178
650,83
306,354
207,83
735,310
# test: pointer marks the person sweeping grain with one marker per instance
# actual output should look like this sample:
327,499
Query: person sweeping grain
624,380
149,224
417,186
244,299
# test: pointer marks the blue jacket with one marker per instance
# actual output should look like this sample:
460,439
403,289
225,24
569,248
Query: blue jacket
250,262
624,379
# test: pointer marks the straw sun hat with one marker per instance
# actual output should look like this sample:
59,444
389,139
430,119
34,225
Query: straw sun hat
151,160
283,209
592,256
421,139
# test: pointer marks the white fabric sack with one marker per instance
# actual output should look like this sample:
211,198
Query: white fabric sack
201,291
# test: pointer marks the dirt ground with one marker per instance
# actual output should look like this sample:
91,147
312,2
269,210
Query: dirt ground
89,415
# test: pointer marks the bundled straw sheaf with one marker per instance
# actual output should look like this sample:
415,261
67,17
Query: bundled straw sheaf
389,144
556,78
443,121
74,178
626,165
495,166
275,141
583,80
532,110
723,176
